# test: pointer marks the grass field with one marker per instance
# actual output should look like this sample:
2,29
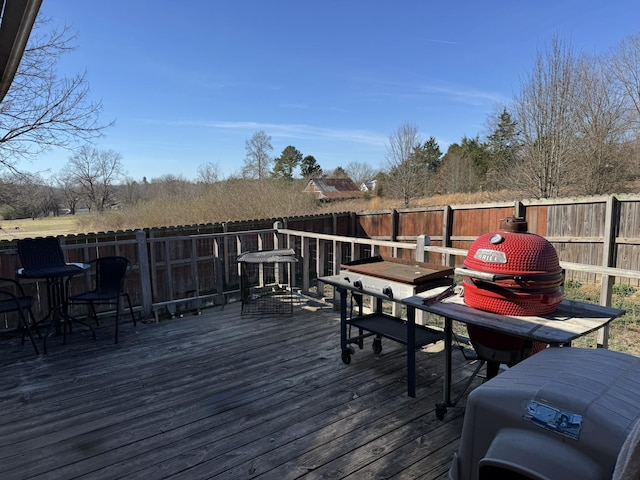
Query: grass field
26,227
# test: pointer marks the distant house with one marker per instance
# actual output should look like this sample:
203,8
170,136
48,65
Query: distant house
333,188
369,186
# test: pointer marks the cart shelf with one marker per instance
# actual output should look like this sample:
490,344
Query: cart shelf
395,329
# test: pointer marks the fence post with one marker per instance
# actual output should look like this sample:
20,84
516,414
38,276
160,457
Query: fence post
608,260
145,274
395,218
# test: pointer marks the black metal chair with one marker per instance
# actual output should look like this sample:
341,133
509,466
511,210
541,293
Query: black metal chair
110,273
43,259
41,253
15,300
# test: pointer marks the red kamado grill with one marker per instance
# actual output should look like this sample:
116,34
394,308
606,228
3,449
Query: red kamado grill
512,272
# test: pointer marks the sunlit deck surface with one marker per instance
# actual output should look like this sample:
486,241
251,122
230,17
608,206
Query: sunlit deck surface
222,395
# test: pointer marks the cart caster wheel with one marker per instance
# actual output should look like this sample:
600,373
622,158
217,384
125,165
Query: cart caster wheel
441,411
346,357
377,345
361,344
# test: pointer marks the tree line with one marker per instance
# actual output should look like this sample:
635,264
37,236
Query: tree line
571,129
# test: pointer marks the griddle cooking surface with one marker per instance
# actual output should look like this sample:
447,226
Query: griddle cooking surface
414,273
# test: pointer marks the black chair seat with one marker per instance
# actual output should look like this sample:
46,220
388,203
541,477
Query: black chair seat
94,296
24,303
110,273
14,300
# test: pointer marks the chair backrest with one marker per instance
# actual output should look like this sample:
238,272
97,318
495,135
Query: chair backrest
40,252
110,273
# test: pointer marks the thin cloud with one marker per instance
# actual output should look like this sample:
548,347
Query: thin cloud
457,93
295,130
471,96
446,42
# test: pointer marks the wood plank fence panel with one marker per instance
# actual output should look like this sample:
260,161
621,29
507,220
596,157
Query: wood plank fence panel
412,223
628,250
375,224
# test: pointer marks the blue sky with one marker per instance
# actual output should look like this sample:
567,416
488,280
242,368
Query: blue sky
188,82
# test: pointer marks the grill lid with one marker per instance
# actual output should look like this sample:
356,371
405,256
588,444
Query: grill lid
512,272
513,251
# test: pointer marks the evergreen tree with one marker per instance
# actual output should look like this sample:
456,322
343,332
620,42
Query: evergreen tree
309,167
504,143
429,155
286,163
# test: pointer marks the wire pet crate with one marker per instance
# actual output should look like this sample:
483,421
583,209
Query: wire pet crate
265,283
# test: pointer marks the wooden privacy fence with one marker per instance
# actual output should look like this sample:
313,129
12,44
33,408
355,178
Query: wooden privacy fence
170,273
594,231
187,268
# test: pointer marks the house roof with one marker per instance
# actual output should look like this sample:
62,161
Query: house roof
17,21
333,188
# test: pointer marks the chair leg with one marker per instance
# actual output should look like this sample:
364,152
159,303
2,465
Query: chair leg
34,323
117,318
95,314
133,317
55,322
25,326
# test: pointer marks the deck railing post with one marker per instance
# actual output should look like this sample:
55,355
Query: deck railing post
305,253
145,274
447,229
421,242
422,256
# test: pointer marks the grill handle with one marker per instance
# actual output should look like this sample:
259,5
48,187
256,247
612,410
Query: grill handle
488,276
556,277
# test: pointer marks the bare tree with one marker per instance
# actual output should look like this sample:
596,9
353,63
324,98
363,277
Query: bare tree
42,110
95,172
170,185
545,113
22,196
602,144
257,163
208,173
404,176
69,192
132,192
457,174
624,71
361,172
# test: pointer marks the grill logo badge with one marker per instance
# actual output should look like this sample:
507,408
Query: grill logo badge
490,256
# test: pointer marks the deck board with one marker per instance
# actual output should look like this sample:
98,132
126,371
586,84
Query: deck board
222,395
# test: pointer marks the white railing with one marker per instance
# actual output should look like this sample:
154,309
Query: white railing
202,269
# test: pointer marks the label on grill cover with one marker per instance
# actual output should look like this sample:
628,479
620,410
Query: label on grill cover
551,418
490,256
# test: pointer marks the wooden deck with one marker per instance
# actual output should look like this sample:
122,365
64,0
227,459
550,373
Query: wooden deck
225,396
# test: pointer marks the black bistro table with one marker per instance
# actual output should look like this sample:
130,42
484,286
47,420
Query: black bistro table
56,277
